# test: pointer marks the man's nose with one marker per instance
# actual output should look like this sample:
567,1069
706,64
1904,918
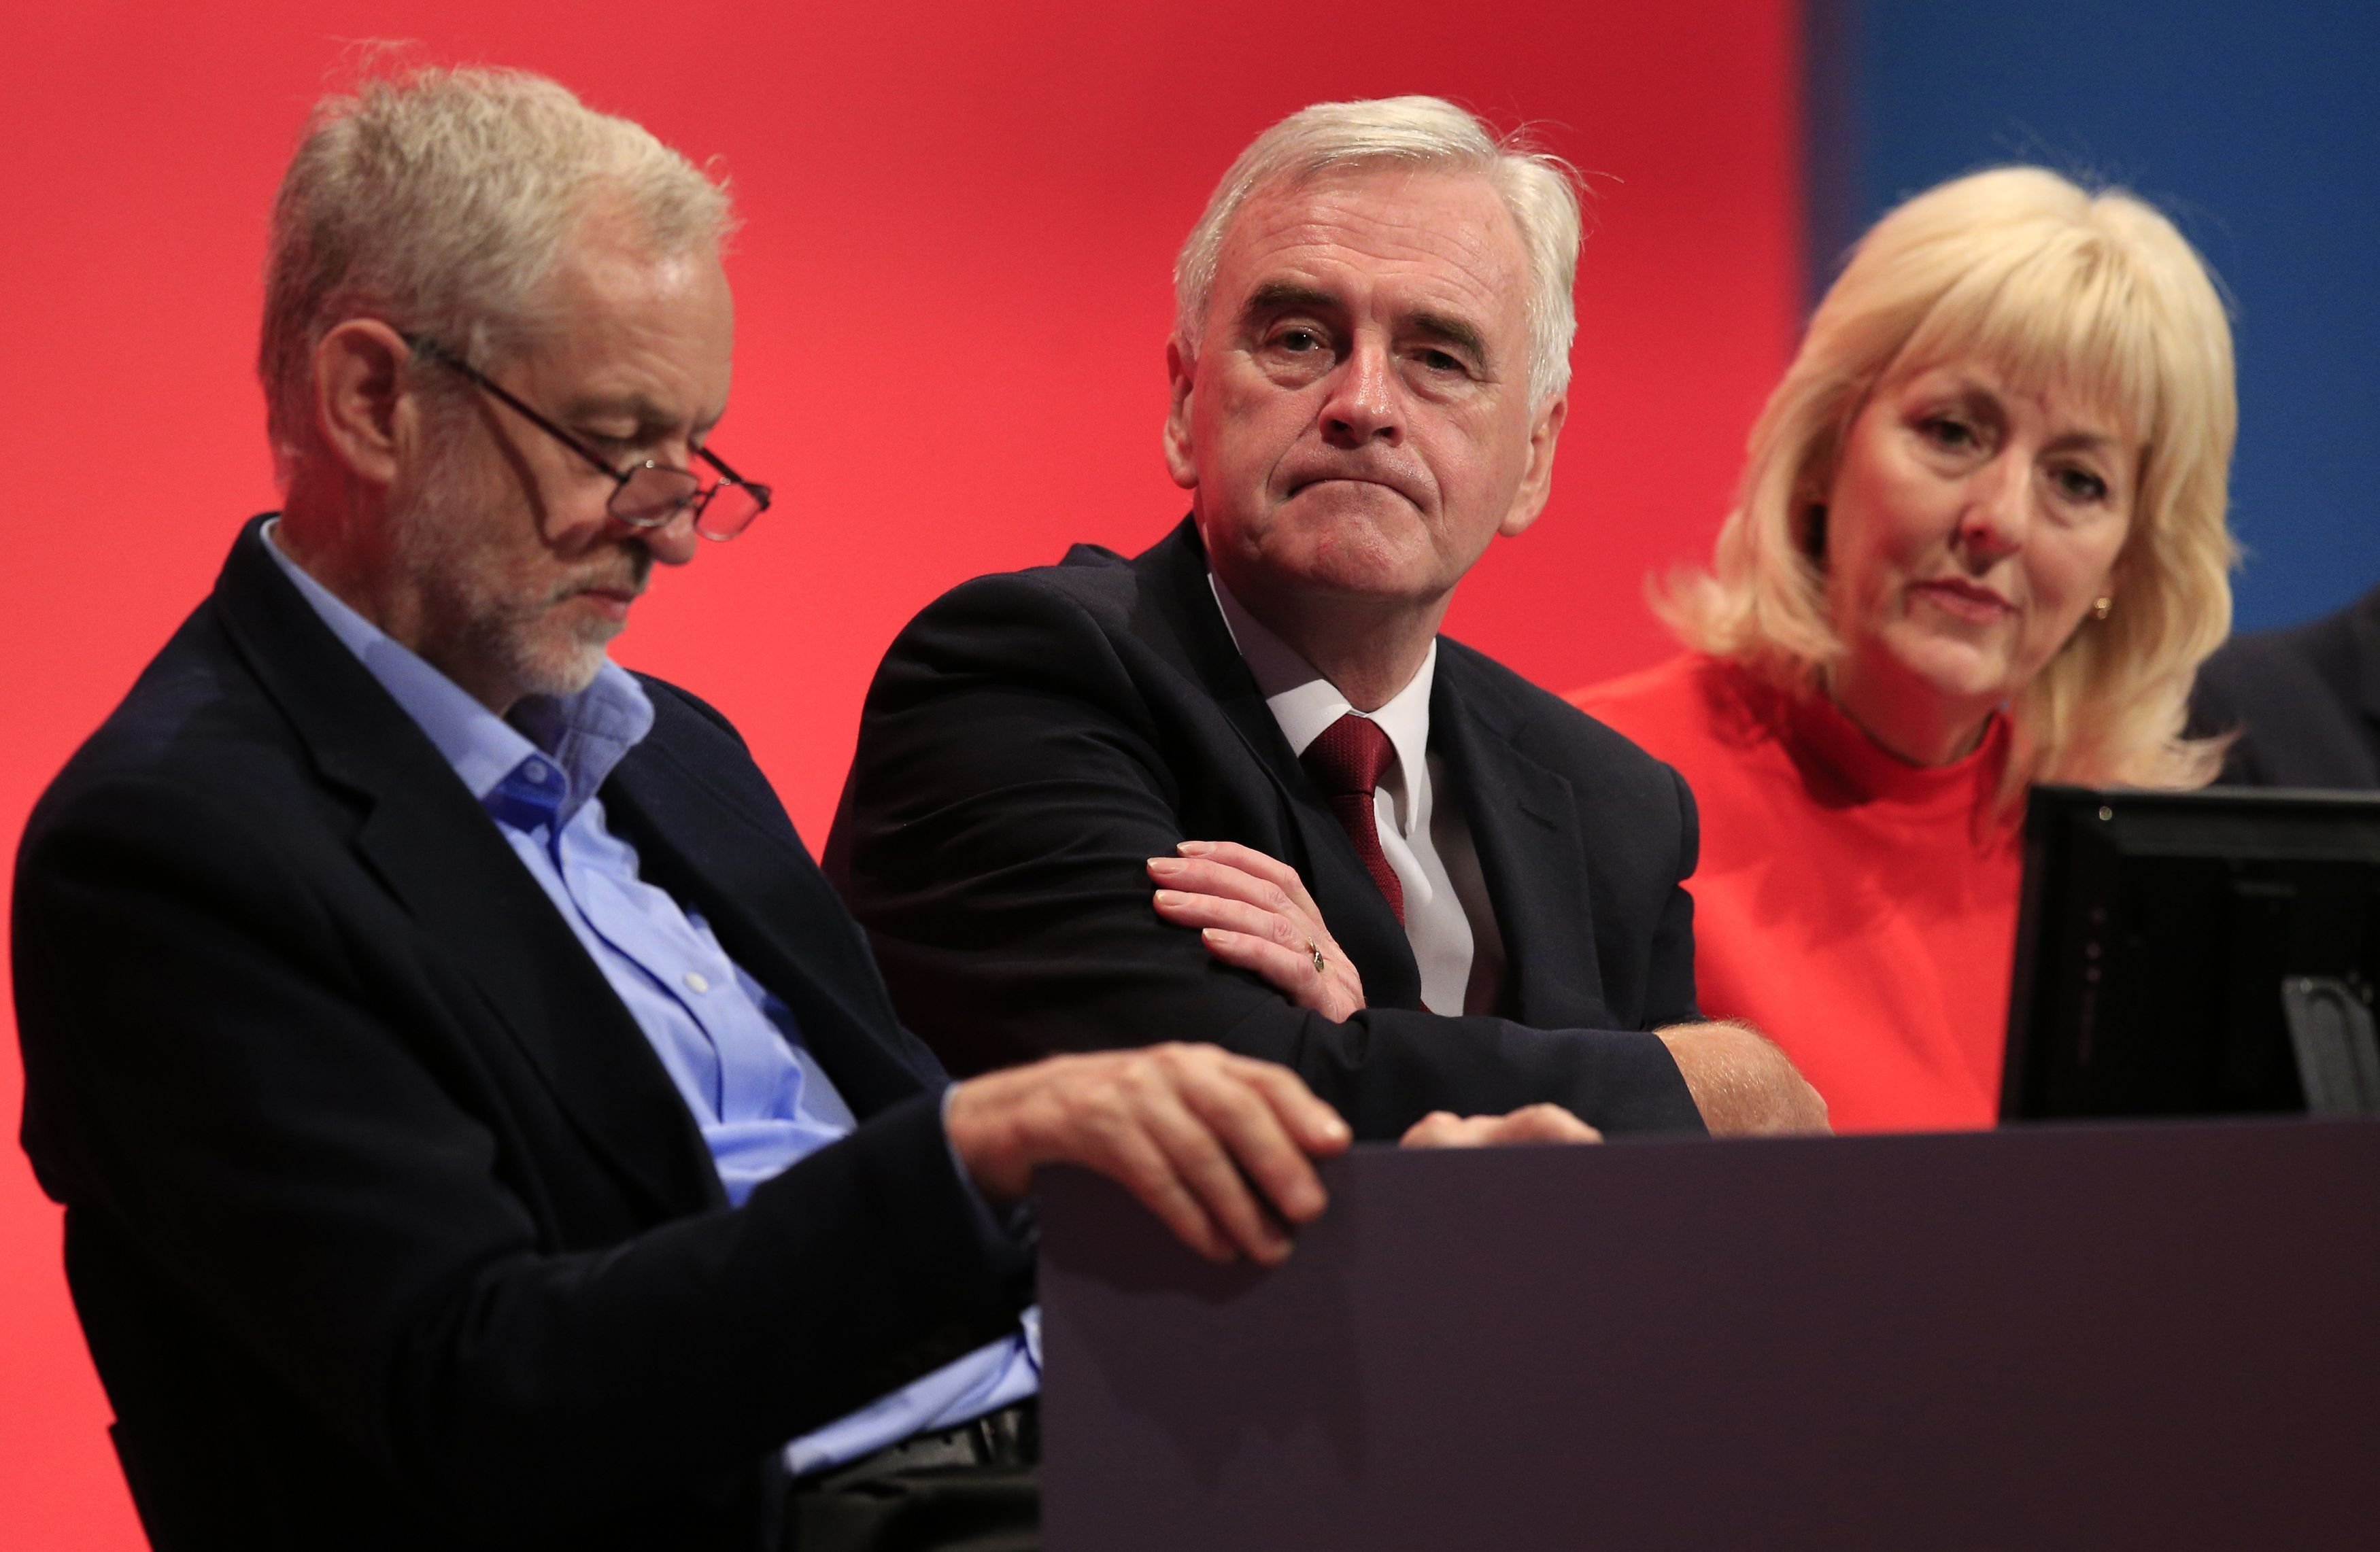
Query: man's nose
1998,509
1364,404
673,542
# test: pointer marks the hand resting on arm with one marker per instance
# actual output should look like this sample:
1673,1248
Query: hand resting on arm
1253,911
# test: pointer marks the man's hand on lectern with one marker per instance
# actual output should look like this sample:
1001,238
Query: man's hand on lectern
1186,1128
1531,1123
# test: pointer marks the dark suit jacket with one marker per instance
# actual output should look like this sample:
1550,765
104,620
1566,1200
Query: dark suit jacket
2307,702
385,1224
1031,739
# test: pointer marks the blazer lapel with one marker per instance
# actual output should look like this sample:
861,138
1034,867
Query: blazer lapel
1178,615
443,859
774,914
1524,823
514,945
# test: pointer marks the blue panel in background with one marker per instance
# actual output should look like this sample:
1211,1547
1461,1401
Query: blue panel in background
2256,129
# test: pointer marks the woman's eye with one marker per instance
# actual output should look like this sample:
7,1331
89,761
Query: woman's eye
1943,431
2081,485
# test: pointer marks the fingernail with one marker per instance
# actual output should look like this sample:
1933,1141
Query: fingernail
1165,865
1212,934
1169,897
1194,848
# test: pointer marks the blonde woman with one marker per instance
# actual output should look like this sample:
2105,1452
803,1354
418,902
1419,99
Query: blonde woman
1979,543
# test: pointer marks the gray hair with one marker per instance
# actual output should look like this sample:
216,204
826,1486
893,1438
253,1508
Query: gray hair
440,201
1423,133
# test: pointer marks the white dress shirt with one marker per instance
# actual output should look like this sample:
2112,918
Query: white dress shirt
1447,918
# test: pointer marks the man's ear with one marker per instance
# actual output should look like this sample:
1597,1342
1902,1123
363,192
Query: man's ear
1538,483
362,384
1181,453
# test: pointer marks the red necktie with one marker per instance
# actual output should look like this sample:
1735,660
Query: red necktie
1347,762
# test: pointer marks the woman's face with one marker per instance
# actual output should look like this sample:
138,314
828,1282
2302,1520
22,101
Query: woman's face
1968,529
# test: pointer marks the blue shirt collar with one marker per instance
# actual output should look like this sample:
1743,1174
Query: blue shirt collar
586,734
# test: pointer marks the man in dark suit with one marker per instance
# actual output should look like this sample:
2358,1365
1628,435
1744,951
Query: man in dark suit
478,1124
2304,701
1380,858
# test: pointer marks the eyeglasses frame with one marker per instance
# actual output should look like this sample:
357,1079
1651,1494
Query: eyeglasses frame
424,346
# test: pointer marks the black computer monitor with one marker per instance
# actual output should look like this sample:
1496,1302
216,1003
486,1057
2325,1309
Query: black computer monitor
2195,953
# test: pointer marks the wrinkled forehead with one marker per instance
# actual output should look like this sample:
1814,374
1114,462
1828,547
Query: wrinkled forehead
622,317
1444,233
611,261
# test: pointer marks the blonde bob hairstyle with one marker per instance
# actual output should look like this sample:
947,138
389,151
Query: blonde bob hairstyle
2049,284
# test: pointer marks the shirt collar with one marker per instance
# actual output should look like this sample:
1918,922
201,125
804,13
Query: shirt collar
586,734
1305,703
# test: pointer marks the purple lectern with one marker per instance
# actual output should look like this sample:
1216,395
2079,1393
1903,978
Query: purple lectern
2110,1337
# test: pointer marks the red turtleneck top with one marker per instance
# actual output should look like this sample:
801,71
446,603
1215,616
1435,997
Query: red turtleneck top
1858,909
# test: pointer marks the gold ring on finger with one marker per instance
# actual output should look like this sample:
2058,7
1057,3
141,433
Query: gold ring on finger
1315,950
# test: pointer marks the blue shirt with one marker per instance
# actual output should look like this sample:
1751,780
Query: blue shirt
731,1047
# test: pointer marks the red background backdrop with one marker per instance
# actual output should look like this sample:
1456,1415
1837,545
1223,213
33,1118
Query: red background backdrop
953,285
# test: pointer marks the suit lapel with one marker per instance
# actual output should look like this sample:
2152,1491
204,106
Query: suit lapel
491,916
442,857
1524,822
773,910
1179,617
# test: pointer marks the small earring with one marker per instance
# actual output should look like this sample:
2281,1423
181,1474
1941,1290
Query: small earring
2102,607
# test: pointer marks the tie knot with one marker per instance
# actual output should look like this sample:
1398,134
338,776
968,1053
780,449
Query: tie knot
1349,756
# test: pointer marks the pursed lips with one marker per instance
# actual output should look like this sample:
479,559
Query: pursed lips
623,589
1299,485
1964,599
612,597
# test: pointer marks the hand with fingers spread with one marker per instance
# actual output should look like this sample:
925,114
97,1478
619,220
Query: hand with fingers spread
1253,912
1217,1145
1531,1123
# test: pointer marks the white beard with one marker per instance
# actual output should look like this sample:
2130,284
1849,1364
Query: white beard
470,609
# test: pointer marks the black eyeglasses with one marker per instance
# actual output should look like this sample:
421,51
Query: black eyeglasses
652,494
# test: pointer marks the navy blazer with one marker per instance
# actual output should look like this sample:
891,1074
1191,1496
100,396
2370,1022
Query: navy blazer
1031,739
2304,701
385,1223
